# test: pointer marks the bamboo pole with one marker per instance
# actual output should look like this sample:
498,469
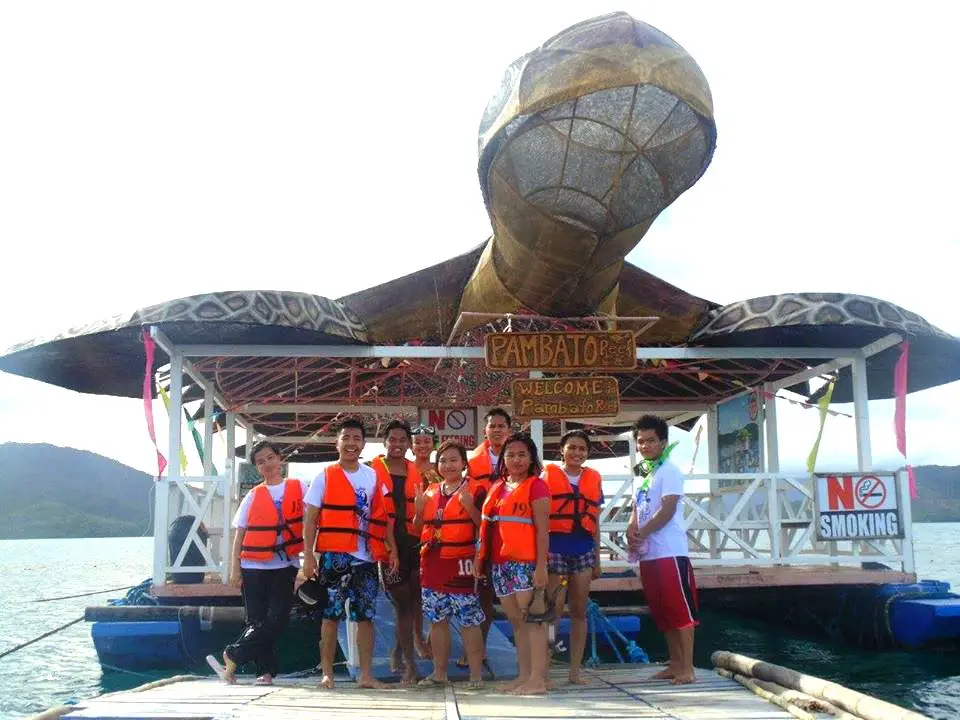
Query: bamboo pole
794,697
776,698
851,701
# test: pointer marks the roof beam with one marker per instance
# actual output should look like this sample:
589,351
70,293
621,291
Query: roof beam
477,353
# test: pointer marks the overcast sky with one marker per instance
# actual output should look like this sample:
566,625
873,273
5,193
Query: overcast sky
155,151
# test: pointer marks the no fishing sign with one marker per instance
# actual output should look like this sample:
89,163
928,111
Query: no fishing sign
858,506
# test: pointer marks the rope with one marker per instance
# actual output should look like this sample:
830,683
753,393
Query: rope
138,595
595,619
40,637
95,592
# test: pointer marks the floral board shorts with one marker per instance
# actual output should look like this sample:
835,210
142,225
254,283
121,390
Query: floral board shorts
560,564
463,609
360,585
512,577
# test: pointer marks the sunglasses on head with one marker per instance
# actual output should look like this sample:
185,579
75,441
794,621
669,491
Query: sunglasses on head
424,430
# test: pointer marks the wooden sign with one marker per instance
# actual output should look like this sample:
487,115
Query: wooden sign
556,351
565,397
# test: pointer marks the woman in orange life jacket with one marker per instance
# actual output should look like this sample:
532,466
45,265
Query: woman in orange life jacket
448,513
514,534
422,445
574,554
266,557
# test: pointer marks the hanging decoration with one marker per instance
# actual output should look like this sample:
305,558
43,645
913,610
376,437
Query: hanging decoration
166,403
822,404
149,350
900,376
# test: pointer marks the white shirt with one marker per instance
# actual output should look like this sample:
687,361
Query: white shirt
671,539
363,480
243,513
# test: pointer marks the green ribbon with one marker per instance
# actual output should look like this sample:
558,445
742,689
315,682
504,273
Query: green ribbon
197,440
646,468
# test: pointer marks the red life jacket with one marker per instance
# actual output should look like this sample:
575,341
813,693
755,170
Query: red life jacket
338,523
573,506
414,480
512,517
453,532
264,524
479,466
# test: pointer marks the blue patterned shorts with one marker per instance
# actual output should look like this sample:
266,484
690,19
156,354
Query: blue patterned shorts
464,609
560,564
512,576
359,584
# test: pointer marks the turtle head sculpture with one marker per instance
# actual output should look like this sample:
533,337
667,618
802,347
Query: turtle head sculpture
589,138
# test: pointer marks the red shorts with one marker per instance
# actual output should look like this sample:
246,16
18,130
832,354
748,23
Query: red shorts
671,592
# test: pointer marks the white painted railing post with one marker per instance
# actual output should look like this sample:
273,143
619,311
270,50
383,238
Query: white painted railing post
231,472
208,430
773,515
906,515
161,503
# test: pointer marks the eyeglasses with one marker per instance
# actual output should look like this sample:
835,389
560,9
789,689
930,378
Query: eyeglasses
424,430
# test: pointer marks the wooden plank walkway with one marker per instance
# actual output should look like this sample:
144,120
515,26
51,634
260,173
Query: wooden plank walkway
615,691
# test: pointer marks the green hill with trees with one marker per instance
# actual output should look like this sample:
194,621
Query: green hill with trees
55,492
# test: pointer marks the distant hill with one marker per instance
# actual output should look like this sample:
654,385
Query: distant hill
938,490
54,492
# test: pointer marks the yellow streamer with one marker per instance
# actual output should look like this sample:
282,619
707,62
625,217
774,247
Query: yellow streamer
822,404
166,404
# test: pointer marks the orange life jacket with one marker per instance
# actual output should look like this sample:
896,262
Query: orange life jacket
414,480
453,531
512,517
479,466
573,506
264,524
338,523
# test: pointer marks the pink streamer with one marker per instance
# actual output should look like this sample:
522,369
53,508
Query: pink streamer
900,375
150,347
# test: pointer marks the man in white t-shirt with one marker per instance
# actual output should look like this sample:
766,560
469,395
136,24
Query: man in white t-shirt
351,511
658,539
266,555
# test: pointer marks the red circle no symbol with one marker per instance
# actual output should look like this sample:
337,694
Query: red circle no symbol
871,492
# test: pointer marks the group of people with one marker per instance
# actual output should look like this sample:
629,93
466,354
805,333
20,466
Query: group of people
447,538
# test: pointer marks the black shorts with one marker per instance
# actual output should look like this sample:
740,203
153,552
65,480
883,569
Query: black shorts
409,565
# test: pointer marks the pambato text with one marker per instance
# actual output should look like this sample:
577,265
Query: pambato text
561,351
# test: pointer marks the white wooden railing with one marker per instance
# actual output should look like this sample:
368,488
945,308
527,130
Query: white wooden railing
761,519
209,500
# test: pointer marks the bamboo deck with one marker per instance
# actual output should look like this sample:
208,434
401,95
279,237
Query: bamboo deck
614,692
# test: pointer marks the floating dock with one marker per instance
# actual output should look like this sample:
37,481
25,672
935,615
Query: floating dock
621,691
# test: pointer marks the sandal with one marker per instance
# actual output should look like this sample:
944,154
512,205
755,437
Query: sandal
431,681
540,609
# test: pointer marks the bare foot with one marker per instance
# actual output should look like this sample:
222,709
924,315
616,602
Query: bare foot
549,684
512,685
531,687
265,679
684,677
371,683
667,673
409,678
229,669
575,679
326,682
396,661
423,649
